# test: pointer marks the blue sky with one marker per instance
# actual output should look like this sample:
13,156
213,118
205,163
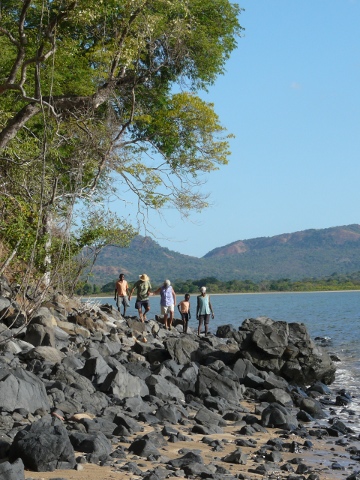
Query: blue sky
290,96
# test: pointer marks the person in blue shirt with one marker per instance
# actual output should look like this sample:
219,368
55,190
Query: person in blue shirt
204,310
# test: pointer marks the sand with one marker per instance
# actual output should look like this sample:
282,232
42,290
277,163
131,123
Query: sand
320,458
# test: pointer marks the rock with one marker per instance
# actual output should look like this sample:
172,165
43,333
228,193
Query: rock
38,335
44,317
96,369
136,405
22,389
286,350
242,367
73,329
277,395
4,304
168,413
144,448
44,354
209,419
312,407
12,471
123,384
44,446
163,389
187,459
96,445
237,457
276,415
182,350
211,383
129,423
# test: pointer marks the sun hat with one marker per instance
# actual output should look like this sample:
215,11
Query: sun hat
203,289
167,283
143,277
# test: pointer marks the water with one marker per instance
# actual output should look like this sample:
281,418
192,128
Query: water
326,314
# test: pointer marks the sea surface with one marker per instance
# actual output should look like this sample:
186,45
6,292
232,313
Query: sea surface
334,316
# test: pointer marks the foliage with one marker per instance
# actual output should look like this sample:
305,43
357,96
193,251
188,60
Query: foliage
92,91
330,250
213,285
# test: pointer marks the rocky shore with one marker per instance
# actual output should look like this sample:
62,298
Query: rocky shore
88,394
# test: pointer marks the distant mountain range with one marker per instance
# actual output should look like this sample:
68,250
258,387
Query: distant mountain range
309,253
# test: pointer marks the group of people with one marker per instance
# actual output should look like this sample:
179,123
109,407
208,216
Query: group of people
123,294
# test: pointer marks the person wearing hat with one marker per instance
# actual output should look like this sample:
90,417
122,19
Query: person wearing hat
167,302
203,310
142,287
122,293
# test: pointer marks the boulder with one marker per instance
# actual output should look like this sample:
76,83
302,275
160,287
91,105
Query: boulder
96,445
44,446
21,389
236,457
182,350
286,350
123,384
12,471
96,369
277,416
163,389
143,448
38,335
4,304
211,383
44,354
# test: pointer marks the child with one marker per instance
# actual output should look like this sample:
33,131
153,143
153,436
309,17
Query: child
184,309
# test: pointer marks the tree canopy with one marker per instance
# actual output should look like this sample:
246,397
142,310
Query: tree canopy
92,89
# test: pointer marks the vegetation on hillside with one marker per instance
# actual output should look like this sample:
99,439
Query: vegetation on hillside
97,93
306,254
331,283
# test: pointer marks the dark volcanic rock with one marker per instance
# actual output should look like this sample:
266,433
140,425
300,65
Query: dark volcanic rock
96,445
144,448
211,383
44,446
123,384
276,415
12,471
286,349
21,389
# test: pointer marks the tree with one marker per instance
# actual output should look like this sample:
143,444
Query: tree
92,89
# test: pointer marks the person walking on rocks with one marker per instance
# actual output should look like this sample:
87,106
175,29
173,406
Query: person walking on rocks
143,288
122,293
203,310
184,309
167,302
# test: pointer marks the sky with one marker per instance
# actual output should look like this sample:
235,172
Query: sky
291,97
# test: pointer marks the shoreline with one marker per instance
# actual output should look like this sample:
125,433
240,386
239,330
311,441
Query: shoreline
234,293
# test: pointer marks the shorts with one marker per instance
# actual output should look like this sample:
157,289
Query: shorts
122,301
185,317
167,309
142,303
204,319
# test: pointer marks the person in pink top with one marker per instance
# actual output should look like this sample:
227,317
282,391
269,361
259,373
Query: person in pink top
184,309
122,293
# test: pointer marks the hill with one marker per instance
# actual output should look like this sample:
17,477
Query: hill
308,253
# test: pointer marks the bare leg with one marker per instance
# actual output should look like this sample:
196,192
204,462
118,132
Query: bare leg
166,321
171,319
147,309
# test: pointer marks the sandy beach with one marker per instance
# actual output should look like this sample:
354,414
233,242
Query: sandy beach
319,458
